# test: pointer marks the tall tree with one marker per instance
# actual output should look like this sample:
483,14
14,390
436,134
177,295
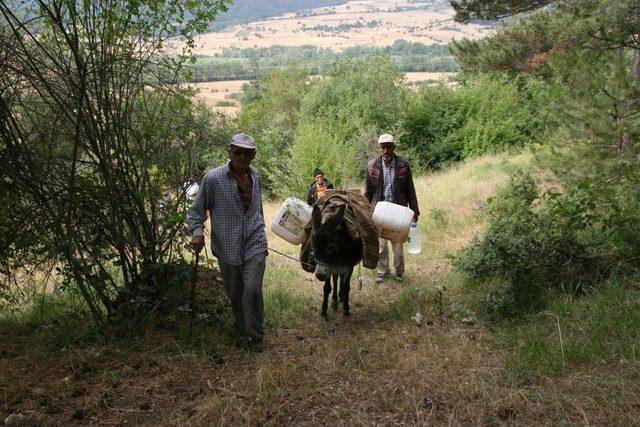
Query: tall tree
96,139
467,10
528,43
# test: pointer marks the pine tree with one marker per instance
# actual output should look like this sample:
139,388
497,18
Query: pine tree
494,9
528,44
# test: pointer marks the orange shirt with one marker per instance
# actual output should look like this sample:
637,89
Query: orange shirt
320,189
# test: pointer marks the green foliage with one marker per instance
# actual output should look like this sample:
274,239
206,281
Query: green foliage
333,123
500,114
572,330
523,45
341,115
562,242
494,9
269,113
522,255
527,44
99,146
253,62
590,228
486,114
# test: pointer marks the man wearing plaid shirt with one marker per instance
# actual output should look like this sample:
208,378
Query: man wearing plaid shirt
232,195
388,177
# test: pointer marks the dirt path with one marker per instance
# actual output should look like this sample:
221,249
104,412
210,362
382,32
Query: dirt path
380,366
376,367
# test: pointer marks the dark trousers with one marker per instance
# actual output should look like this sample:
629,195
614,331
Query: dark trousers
244,288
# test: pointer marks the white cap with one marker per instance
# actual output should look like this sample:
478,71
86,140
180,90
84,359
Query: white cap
386,138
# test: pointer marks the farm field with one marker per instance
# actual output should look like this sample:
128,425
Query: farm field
227,91
367,22
213,94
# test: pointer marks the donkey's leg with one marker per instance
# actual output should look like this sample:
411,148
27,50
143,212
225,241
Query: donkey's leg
345,287
334,295
325,299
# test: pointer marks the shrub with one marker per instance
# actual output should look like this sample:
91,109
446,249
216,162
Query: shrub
99,146
338,117
558,242
487,114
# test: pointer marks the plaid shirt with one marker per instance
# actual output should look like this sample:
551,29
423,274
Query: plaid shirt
236,235
389,177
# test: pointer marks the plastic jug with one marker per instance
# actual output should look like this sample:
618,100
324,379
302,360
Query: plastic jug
292,217
414,241
191,189
393,221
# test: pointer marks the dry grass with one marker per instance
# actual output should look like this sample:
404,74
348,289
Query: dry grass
424,26
376,367
212,93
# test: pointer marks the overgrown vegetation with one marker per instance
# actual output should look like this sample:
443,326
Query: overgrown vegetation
334,122
485,114
96,147
251,63
583,228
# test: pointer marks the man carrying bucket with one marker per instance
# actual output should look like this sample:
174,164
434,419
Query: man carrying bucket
232,194
388,178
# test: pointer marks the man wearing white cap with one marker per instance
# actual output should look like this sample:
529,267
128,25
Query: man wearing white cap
388,178
232,194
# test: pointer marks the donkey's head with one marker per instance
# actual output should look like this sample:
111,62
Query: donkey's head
336,250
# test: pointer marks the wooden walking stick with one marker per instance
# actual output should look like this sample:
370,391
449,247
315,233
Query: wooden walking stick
192,298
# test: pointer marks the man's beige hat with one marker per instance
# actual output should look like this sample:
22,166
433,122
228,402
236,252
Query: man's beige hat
386,138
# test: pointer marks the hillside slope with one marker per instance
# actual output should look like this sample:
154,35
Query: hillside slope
243,11
352,23
405,356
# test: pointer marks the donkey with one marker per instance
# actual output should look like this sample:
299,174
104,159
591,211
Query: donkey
336,252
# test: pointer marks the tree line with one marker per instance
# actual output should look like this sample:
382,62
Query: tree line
251,63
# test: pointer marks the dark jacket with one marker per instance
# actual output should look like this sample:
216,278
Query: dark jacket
312,195
403,190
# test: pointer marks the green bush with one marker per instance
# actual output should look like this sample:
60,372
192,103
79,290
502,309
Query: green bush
521,255
433,114
487,114
269,113
557,242
341,117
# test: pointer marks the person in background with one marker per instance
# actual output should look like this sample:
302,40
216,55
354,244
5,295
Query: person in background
388,178
232,195
318,187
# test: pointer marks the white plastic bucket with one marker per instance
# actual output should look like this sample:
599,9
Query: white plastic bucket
191,189
393,221
292,217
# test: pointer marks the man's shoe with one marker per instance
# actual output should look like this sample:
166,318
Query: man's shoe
399,277
380,277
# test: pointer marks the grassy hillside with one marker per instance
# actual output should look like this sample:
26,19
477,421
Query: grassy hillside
410,353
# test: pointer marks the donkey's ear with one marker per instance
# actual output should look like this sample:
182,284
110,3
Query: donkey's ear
316,217
334,219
